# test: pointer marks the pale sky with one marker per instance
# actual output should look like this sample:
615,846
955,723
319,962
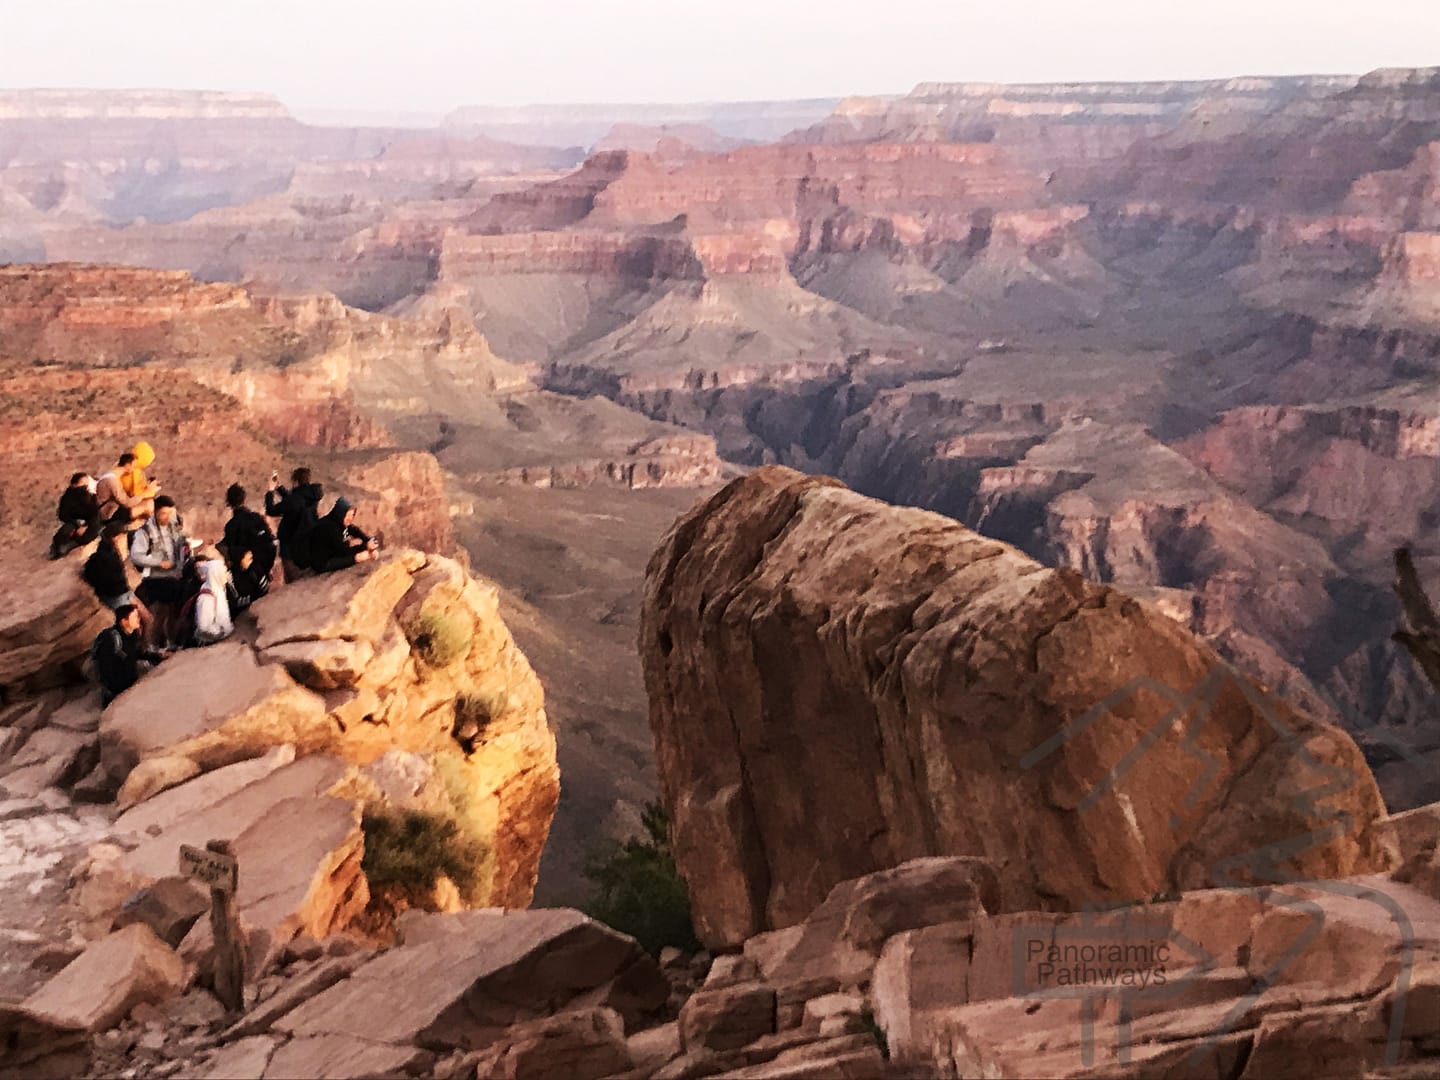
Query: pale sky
428,56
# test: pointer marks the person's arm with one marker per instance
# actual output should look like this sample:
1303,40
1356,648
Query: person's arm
142,552
112,490
275,502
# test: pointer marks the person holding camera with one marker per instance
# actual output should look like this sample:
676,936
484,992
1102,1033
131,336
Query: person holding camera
298,509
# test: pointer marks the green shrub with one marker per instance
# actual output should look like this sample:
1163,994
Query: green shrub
439,639
636,889
408,851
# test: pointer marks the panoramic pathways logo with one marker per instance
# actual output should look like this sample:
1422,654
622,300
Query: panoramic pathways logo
1123,956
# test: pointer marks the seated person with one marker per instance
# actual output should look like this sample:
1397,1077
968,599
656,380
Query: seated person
135,482
161,553
336,543
210,614
249,548
113,490
79,514
120,656
247,584
104,571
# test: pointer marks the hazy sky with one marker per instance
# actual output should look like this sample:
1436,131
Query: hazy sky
428,56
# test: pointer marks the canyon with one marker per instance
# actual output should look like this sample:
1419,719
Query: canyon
1179,340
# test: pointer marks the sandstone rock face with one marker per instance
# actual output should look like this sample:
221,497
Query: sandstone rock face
814,656
390,658
49,619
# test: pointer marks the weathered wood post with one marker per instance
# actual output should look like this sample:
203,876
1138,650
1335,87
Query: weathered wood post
217,867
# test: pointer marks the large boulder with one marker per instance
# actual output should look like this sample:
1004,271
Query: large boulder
48,618
815,656
1325,983
405,655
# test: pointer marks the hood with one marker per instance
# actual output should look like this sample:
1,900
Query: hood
310,493
144,455
213,573
340,509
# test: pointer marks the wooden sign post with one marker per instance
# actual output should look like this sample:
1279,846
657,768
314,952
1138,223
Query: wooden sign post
216,866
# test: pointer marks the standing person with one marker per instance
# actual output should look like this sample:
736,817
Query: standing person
160,551
335,543
104,571
120,656
79,514
113,490
249,549
298,509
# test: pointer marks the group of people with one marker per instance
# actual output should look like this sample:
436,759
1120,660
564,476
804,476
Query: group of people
189,594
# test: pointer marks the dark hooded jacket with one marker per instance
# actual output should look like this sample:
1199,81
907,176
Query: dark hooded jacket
248,531
105,571
78,506
117,657
297,508
333,544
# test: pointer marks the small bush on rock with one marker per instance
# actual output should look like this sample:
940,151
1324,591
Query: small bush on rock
408,851
438,639
637,890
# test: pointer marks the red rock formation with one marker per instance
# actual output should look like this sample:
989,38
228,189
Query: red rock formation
837,686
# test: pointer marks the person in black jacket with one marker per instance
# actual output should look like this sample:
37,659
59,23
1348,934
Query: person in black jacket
335,542
79,514
105,570
249,549
298,510
118,653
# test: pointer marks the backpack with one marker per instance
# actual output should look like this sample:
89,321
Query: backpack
191,633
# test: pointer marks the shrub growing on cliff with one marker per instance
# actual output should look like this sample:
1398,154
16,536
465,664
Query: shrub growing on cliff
636,889
408,851
439,639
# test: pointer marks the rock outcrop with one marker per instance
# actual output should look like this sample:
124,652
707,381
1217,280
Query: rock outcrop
837,686
392,685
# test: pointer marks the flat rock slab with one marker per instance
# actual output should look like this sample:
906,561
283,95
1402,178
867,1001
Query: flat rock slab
331,1057
460,980
198,795
199,692
100,986
242,1060
197,823
350,605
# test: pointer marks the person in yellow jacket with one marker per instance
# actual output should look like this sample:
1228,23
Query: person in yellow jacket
134,482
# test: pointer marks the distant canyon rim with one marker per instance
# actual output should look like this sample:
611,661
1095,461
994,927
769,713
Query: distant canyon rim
1181,337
